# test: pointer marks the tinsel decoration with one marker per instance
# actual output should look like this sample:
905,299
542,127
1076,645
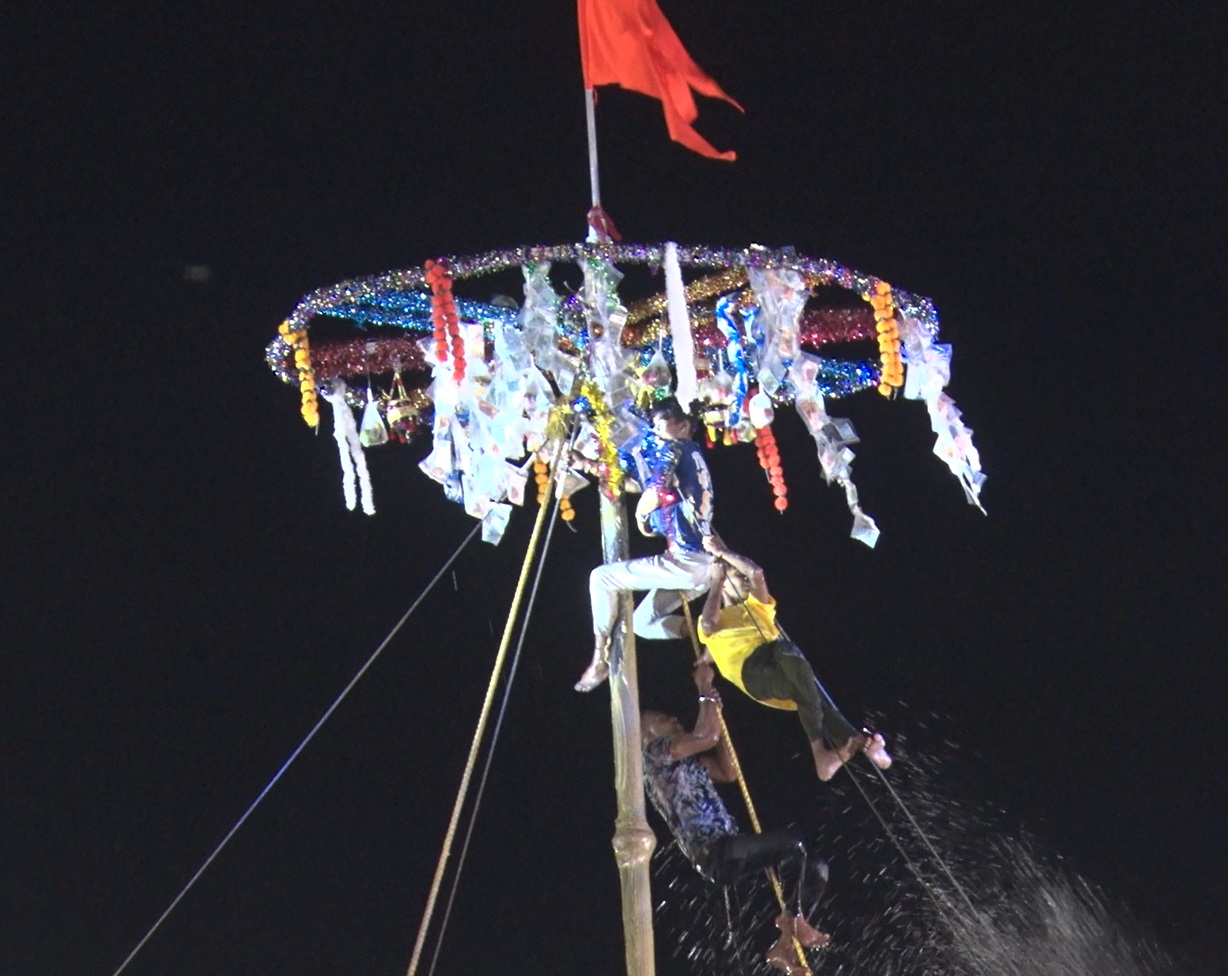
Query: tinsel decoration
744,323
652,310
603,423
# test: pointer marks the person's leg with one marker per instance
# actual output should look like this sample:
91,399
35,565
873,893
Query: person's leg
841,741
663,573
840,732
779,671
811,885
605,583
733,857
656,616
795,929
783,956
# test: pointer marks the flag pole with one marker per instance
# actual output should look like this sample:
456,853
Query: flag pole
633,839
594,178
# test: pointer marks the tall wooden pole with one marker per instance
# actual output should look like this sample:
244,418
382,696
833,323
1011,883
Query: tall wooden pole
633,839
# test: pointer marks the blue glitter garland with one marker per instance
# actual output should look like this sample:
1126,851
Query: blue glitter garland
412,310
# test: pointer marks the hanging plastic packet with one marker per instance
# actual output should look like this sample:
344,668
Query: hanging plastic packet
657,375
372,433
402,414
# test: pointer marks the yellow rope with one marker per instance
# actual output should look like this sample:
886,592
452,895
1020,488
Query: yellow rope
737,769
485,715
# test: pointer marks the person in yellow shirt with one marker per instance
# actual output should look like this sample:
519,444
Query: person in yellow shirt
741,638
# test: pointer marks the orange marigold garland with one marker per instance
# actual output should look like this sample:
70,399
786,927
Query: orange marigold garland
769,460
541,475
888,339
297,340
444,318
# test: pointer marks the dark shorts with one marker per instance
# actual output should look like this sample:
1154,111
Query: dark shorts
779,670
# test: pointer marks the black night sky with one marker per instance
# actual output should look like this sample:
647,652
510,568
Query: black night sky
186,594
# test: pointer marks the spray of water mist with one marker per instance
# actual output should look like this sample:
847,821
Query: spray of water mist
992,903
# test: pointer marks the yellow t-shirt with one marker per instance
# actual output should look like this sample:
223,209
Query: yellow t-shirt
739,630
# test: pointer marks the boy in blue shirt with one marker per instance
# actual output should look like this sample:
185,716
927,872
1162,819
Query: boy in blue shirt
677,505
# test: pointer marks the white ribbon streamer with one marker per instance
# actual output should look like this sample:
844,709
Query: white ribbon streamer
680,329
349,447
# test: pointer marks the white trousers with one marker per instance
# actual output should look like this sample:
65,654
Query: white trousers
664,576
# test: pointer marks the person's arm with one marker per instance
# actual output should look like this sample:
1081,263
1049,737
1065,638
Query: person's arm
709,619
745,566
707,731
649,502
719,764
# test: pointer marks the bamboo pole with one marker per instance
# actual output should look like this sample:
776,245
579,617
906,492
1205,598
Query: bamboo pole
633,839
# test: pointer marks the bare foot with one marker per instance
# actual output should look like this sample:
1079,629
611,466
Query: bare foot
808,935
594,676
783,958
783,955
780,957
827,761
875,748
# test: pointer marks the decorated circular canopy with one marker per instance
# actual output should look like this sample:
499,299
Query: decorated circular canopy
735,338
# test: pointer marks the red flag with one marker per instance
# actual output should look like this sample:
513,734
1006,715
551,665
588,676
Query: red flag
629,43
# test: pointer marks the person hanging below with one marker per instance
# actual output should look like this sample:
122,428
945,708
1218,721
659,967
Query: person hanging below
740,636
680,770
676,504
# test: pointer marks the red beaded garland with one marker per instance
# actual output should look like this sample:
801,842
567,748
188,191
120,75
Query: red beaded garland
769,460
444,319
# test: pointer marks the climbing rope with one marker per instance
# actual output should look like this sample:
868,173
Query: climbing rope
745,790
733,755
487,702
938,859
301,746
494,738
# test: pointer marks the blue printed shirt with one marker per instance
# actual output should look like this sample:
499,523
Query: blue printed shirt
688,518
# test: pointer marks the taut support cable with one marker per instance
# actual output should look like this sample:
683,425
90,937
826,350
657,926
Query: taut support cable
301,746
899,802
487,702
494,738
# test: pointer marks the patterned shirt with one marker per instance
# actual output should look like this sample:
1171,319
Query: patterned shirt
683,794
685,521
